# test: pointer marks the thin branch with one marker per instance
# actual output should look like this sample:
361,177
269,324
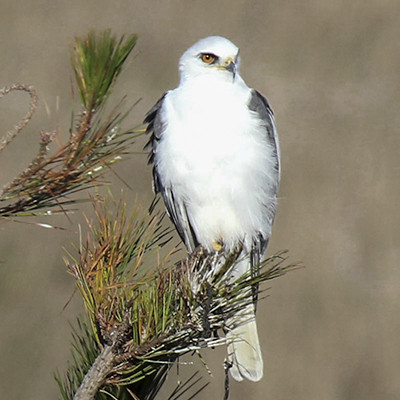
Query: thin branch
9,136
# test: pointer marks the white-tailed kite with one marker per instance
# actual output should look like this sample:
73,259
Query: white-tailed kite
216,160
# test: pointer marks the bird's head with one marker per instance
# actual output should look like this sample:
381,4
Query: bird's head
214,56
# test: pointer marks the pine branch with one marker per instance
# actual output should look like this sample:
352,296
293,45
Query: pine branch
96,142
144,317
96,375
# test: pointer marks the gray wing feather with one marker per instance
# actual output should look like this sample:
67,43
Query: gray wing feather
176,209
259,104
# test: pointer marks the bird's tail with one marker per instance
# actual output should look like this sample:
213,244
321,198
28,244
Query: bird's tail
244,352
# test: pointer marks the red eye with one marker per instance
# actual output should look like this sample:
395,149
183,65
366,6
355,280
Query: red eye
208,58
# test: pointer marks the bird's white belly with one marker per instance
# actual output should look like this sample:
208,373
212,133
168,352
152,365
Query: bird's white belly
218,161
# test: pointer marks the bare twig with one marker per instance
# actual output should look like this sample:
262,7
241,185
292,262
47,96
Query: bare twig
9,136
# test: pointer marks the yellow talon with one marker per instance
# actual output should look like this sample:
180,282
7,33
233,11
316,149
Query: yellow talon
217,246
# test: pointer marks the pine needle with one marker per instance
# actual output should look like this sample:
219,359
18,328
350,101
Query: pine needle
96,141
149,315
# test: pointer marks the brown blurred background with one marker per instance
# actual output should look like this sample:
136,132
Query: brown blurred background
331,72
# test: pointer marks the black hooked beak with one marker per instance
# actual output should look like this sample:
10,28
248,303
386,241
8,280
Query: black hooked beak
231,67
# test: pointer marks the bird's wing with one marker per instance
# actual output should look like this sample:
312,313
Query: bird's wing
259,104
155,128
175,207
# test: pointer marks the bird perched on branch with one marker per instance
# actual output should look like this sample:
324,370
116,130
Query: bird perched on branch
216,160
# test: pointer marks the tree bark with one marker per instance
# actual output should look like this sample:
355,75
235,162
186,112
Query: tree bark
96,375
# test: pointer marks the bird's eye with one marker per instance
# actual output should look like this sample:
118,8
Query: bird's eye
208,58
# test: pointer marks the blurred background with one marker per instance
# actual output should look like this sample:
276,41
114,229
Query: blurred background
331,72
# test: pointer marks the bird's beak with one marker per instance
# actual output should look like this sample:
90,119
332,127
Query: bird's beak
230,66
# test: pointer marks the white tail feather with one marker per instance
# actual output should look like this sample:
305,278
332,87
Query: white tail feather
244,352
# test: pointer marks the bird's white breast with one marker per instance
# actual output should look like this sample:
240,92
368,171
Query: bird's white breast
215,155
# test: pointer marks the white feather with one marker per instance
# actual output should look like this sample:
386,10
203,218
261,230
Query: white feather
215,155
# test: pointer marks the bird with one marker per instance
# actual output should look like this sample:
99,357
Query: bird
216,163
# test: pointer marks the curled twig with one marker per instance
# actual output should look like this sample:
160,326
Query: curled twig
10,135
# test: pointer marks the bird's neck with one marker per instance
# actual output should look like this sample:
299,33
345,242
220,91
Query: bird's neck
211,86
206,80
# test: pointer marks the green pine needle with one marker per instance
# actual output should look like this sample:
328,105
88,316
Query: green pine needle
150,315
97,60
97,141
